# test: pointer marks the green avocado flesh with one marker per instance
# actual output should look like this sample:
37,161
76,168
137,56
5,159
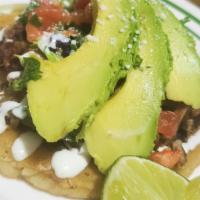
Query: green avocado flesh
73,89
127,124
184,84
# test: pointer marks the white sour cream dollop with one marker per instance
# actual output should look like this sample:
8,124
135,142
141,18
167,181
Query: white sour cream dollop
25,145
69,163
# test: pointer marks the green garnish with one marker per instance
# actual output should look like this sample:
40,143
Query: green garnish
31,72
23,18
34,20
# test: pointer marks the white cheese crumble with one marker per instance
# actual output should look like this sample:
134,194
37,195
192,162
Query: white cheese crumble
103,7
130,46
100,22
128,66
110,16
9,40
13,75
73,42
48,40
162,148
92,38
122,30
133,19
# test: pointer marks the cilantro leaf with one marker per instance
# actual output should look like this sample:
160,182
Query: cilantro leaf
31,72
23,18
34,20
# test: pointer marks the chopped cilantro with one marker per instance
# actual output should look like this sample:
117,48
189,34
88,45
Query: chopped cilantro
31,72
23,18
138,61
34,20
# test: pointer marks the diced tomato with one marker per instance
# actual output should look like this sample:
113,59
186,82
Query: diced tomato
32,32
167,158
52,14
169,122
81,4
49,14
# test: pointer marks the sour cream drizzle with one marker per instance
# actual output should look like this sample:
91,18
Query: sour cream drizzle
69,163
13,75
20,111
25,145
192,142
4,109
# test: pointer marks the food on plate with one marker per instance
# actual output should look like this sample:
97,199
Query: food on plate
37,170
127,124
73,98
85,82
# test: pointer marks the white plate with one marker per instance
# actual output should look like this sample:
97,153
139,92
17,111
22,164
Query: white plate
18,190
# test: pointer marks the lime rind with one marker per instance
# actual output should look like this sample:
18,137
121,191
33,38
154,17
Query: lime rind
136,178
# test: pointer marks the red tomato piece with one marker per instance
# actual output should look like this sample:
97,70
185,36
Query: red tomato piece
52,14
49,14
169,122
167,158
32,32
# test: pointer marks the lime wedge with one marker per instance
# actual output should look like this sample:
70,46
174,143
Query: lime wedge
133,178
193,190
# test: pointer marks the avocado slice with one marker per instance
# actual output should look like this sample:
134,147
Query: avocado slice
73,89
127,124
184,84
